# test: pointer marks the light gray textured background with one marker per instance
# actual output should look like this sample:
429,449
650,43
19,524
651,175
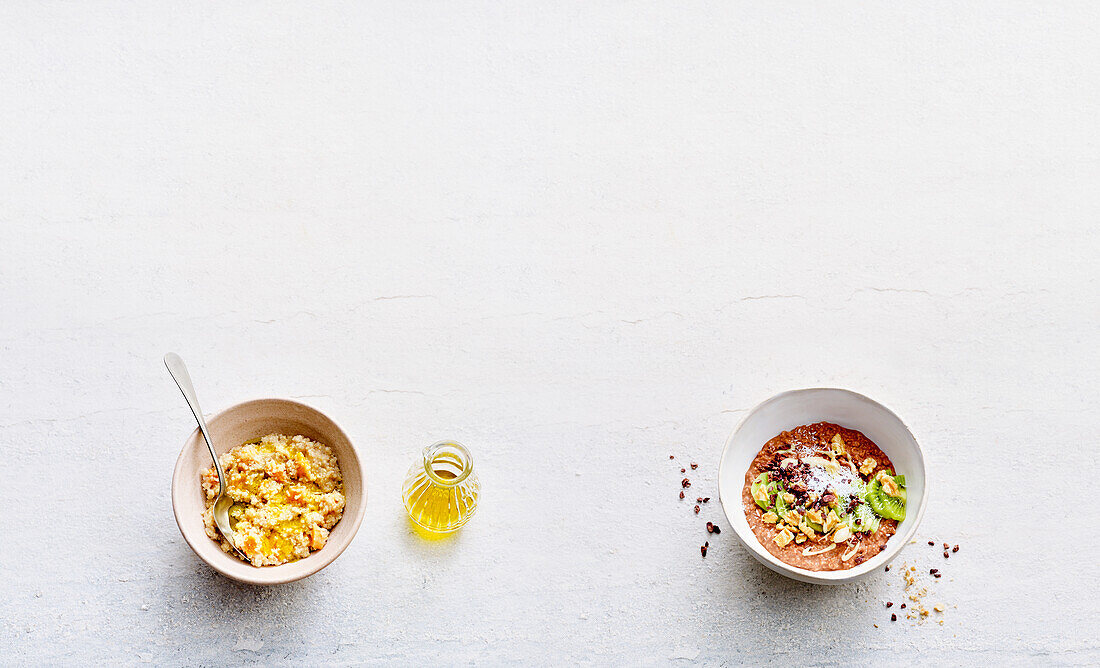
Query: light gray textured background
578,237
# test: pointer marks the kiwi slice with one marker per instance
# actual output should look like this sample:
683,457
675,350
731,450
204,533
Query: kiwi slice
864,519
885,505
781,506
760,486
874,498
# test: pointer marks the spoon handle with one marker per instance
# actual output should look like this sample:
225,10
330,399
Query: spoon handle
178,370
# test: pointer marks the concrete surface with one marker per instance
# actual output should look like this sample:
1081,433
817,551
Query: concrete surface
578,238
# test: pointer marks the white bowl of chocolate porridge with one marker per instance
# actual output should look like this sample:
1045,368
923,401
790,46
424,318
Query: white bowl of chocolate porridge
822,485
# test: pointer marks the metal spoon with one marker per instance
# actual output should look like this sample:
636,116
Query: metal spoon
178,369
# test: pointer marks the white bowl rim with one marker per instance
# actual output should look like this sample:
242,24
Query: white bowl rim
266,578
820,577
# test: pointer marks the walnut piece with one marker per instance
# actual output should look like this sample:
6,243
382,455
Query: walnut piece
838,445
891,488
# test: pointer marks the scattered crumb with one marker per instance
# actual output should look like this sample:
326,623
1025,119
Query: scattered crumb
916,589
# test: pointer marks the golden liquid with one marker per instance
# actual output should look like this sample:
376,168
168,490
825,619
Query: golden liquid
441,506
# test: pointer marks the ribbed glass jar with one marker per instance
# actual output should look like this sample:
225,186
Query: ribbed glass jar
441,488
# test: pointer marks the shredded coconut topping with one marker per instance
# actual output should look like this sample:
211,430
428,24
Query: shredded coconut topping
819,480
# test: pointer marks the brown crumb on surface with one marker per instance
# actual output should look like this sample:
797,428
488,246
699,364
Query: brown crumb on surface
694,466
703,550
696,510
916,593
685,483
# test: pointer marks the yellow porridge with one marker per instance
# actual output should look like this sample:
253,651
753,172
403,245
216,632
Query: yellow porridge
287,494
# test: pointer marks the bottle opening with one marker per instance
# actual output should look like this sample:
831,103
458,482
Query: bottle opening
447,463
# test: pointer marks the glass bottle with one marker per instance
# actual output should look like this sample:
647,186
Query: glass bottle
441,488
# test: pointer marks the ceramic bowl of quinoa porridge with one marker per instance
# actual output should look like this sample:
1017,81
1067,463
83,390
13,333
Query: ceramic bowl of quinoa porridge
297,487
822,485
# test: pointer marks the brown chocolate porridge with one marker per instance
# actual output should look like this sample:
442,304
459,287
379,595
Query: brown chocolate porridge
823,497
